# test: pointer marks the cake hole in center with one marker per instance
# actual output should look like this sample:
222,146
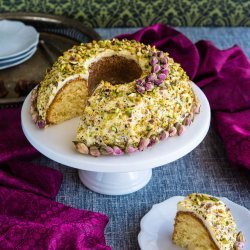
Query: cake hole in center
114,69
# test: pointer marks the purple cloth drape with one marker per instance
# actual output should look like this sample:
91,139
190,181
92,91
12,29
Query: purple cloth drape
224,77
29,217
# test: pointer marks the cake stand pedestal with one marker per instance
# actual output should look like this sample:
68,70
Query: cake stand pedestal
115,183
114,175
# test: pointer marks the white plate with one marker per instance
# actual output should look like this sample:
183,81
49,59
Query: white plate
16,38
56,143
21,60
17,58
158,224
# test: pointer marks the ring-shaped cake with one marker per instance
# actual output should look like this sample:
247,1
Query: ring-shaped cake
130,96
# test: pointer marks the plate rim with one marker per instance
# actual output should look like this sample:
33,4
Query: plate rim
18,58
19,61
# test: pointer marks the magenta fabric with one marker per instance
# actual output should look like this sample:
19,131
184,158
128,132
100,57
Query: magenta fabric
29,217
223,75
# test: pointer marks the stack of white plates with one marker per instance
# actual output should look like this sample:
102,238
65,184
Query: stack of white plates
18,42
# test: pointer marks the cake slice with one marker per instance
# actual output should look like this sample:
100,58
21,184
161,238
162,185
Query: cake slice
204,222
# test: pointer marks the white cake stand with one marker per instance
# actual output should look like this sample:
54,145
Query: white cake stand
114,175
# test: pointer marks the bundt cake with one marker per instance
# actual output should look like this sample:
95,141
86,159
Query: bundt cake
204,222
129,95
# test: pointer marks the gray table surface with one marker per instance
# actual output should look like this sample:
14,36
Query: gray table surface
205,169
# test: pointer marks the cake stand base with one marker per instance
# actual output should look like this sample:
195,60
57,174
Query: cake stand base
115,183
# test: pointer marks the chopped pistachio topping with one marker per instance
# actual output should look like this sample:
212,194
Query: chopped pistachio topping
120,115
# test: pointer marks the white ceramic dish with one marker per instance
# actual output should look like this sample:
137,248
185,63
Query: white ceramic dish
16,38
114,174
19,61
17,58
158,224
